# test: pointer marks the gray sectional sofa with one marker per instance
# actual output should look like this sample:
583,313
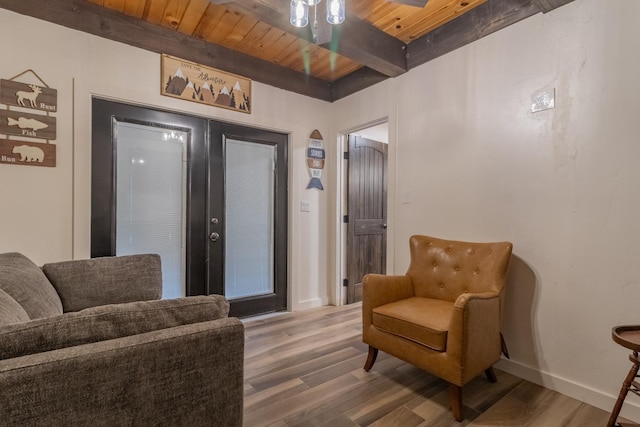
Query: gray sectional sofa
90,343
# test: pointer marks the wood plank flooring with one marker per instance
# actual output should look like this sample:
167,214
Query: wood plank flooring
305,369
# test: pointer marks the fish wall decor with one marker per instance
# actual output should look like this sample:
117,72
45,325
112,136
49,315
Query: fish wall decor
315,159
25,124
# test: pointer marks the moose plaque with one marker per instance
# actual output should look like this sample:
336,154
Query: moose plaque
28,96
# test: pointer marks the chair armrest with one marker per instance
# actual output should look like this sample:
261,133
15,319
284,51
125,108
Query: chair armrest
378,289
465,298
109,280
474,332
187,375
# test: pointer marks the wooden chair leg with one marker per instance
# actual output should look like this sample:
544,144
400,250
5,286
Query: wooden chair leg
491,375
455,393
626,385
371,358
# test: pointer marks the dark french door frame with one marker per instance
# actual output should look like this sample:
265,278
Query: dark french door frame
205,176
277,300
103,205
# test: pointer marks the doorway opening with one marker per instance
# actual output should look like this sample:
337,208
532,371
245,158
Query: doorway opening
363,232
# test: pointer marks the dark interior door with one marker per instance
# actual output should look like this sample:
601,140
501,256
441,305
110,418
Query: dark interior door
248,218
367,211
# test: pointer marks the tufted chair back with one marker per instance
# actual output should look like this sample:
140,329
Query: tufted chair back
445,269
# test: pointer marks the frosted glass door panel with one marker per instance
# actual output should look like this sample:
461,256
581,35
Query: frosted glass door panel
150,195
249,203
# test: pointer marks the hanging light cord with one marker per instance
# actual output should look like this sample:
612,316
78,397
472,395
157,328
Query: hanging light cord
315,23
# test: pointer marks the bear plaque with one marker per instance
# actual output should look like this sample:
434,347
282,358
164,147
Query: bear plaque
27,153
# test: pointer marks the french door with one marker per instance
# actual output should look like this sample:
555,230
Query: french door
247,233
209,197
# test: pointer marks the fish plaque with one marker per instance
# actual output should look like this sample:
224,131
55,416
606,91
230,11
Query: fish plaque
27,153
315,159
30,96
25,124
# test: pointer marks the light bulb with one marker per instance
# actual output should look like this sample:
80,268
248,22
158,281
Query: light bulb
335,11
299,14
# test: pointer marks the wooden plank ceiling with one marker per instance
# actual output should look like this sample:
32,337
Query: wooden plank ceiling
380,39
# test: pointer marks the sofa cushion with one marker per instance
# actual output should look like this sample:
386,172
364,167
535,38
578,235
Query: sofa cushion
28,286
107,322
110,280
406,318
10,311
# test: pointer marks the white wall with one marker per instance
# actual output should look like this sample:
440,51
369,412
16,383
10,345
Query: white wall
562,185
45,212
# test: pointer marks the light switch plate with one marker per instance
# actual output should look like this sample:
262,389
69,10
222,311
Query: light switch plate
407,195
305,206
544,99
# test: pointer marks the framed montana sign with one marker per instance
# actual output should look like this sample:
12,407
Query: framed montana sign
193,82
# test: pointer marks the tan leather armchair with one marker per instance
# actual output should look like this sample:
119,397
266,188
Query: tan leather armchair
443,316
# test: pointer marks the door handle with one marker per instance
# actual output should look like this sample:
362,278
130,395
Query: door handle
214,236
384,226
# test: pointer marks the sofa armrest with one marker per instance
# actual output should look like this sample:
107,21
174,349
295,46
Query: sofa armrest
106,323
378,289
473,338
190,375
110,280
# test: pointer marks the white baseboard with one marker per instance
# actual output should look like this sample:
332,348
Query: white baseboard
310,303
597,398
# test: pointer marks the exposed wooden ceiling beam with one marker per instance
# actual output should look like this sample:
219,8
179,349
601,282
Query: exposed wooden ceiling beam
354,82
415,3
480,21
355,39
90,18
364,43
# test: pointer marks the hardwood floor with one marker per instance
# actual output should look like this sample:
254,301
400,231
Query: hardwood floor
305,369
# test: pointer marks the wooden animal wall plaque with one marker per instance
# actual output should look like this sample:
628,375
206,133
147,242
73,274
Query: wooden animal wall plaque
27,114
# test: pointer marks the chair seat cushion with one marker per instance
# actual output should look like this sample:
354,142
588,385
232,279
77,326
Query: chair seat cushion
423,320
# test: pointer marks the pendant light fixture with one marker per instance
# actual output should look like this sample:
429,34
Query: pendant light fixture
299,14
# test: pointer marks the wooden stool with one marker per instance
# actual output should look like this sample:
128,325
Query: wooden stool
629,337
